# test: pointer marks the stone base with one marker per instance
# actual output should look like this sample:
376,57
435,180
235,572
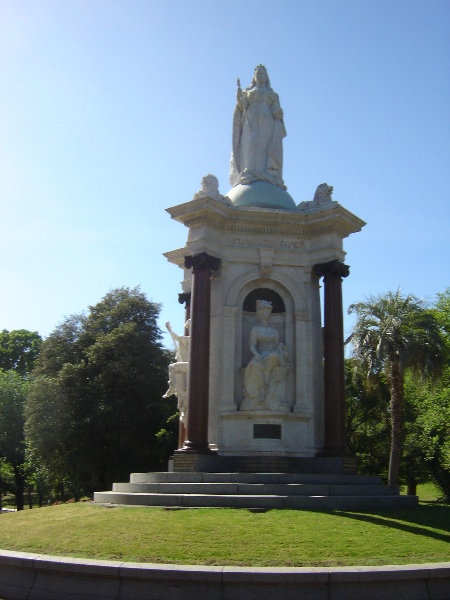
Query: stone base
183,462
193,462
259,432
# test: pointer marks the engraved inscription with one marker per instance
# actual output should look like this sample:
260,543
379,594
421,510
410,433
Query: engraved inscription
253,243
185,463
265,464
292,244
243,242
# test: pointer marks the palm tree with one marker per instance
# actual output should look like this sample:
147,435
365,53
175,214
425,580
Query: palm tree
392,333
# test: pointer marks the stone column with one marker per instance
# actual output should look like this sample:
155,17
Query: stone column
335,443
184,298
198,370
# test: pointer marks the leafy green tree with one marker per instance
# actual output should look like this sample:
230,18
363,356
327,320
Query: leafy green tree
47,432
18,350
6,479
367,417
427,433
394,332
97,405
427,440
13,394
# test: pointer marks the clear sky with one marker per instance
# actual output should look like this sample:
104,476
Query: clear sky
113,110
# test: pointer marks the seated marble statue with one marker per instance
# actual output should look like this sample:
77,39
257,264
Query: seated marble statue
258,131
266,374
178,371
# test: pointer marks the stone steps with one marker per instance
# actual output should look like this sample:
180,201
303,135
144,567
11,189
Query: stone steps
256,491
264,478
253,489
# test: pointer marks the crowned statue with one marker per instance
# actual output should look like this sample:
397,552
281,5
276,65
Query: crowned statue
266,374
258,131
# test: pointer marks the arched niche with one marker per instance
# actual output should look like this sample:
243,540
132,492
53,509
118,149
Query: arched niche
267,294
281,319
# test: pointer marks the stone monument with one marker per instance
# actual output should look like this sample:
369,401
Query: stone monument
265,376
259,370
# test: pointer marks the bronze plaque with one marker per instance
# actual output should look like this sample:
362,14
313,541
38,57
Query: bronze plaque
267,431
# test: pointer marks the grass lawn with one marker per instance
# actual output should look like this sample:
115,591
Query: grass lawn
232,537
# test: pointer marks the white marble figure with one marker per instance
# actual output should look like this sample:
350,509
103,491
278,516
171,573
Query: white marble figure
322,198
210,189
266,374
178,371
323,194
258,131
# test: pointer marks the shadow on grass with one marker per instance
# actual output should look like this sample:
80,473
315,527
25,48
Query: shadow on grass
423,520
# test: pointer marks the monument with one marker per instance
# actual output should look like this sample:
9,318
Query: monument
259,372
266,382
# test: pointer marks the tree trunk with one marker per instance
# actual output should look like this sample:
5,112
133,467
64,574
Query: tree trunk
411,487
396,421
19,491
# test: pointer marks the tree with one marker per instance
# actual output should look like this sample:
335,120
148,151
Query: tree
393,332
428,404
427,433
367,419
96,404
6,479
13,394
47,428
18,350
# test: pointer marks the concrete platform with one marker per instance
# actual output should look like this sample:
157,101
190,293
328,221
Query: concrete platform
256,490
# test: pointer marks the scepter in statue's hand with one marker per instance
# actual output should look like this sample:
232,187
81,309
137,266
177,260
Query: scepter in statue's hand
241,105
239,91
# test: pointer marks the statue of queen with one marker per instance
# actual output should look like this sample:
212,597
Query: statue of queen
258,131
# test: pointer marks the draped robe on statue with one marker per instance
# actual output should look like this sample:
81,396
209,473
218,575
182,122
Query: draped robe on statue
258,131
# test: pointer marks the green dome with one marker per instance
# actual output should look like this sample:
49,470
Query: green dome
262,194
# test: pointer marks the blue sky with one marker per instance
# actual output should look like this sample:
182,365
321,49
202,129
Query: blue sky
112,111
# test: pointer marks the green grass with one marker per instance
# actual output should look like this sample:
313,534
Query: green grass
427,492
232,537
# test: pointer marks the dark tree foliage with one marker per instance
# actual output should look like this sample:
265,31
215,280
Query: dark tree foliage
97,405
427,442
13,393
368,419
18,350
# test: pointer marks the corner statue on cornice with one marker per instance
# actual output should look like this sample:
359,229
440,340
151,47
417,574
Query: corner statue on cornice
322,199
210,189
258,131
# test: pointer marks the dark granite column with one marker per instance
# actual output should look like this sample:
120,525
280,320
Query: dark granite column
335,443
184,298
198,387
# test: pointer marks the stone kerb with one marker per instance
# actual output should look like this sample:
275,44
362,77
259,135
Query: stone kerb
32,576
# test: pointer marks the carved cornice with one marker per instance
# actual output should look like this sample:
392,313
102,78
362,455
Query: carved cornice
333,268
229,219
